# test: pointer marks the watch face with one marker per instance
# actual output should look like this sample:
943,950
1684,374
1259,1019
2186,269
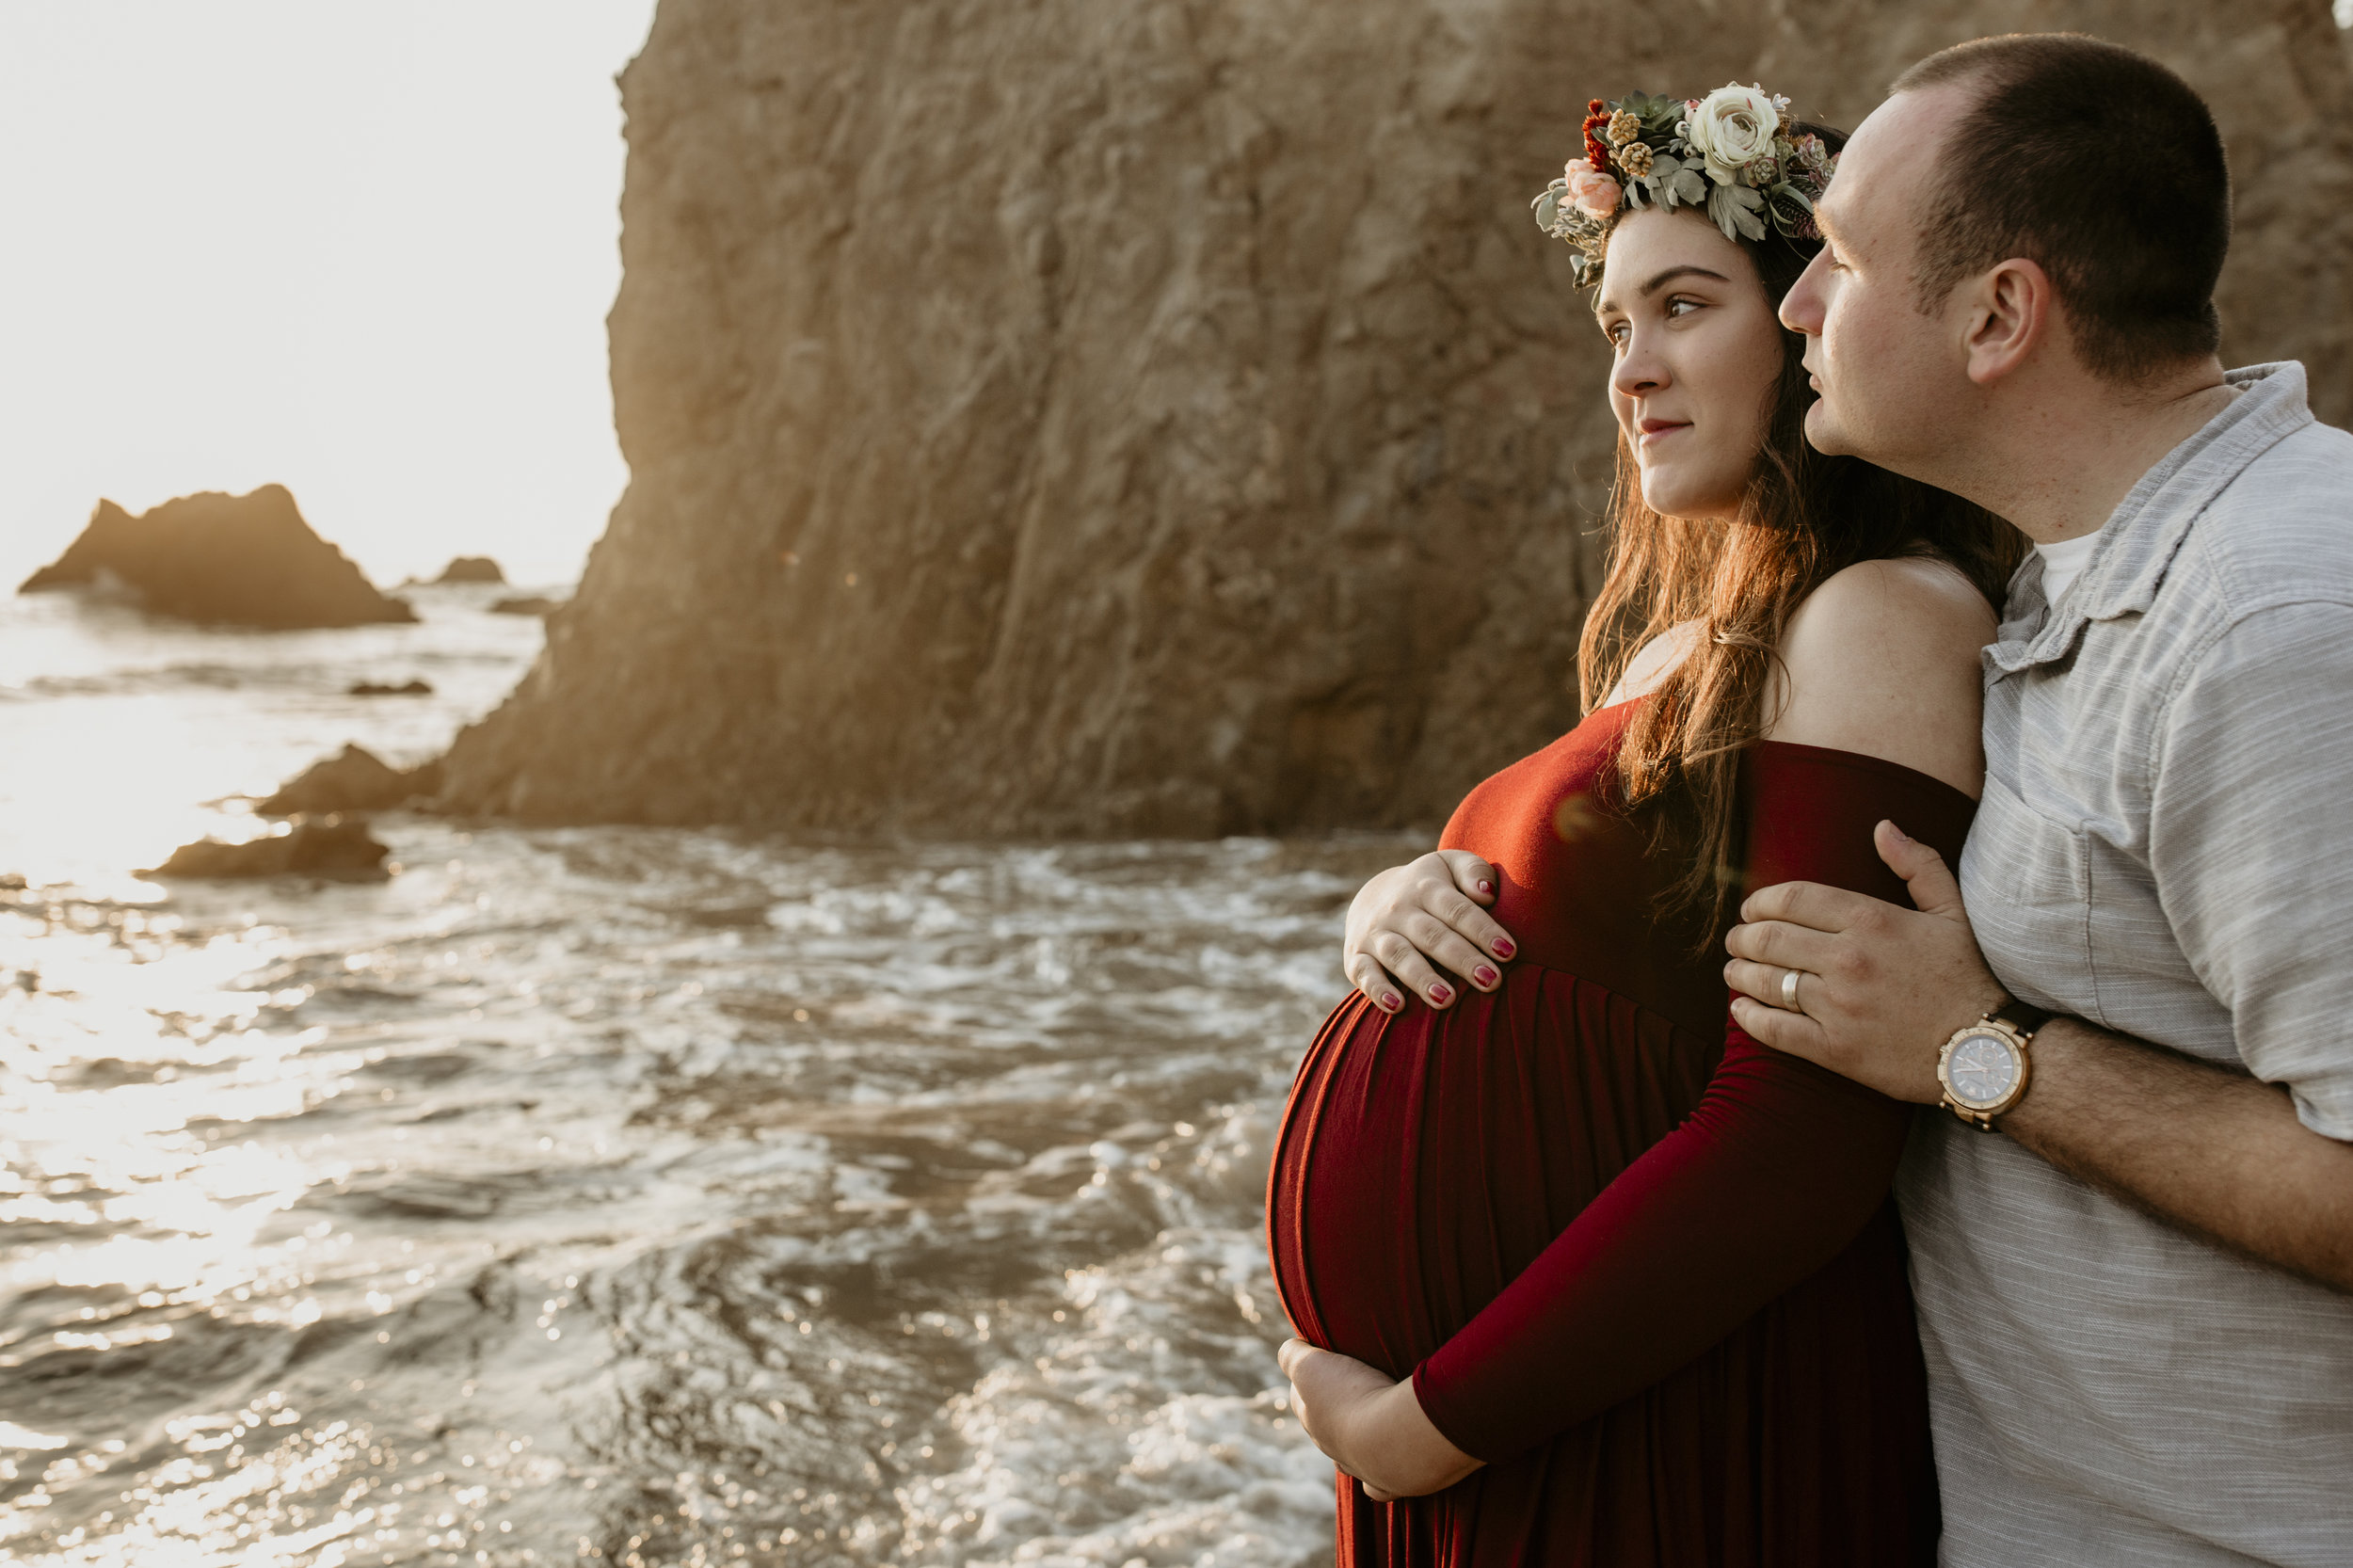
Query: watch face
1981,1070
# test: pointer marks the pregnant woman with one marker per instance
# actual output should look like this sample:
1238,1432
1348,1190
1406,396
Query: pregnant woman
1581,1273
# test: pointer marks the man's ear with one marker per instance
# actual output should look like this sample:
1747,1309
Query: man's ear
2009,308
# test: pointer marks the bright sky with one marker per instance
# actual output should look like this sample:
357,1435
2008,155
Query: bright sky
363,250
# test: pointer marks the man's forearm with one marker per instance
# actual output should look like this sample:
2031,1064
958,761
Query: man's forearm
2208,1150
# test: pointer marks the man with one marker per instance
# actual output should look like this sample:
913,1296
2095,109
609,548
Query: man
2134,1296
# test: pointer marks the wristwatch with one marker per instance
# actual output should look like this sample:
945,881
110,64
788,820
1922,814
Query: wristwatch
1984,1068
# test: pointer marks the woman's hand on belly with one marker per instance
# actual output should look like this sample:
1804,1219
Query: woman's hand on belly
1423,911
1371,1425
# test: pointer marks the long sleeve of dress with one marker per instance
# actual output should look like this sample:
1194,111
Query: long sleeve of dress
1776,1171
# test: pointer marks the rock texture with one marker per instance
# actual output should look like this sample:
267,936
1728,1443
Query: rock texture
246,560
470,568
1050,417
338,848
354,779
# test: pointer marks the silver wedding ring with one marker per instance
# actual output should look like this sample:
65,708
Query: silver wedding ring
1789,990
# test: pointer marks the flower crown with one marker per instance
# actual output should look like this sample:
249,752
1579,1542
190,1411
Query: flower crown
1725,152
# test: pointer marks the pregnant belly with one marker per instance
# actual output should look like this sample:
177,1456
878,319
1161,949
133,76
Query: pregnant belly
1426,1158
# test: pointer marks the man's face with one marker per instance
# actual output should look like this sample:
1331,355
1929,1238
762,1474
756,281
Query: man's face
1892,380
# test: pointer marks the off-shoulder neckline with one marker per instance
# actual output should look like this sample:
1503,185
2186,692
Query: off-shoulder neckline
1865,761
1832,756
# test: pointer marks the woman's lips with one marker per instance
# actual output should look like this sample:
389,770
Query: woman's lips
1653,429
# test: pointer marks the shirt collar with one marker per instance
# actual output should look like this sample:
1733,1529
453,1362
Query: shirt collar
2141,537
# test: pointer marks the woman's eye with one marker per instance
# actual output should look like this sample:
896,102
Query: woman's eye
1679,306
1615,332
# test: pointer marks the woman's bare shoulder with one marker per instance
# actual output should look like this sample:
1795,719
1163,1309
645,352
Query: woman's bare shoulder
1882,660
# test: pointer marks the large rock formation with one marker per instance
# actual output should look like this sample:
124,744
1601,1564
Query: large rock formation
1164,418
246,560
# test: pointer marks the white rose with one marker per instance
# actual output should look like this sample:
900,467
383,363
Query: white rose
1731,127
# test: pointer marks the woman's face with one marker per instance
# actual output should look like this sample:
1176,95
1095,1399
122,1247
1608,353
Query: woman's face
1698,353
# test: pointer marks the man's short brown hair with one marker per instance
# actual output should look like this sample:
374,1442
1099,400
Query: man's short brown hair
2099,164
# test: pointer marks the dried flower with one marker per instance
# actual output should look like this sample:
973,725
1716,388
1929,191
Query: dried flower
1625,126
1634,157
1596,120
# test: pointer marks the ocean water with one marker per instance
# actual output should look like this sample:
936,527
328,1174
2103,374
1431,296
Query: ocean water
628,1196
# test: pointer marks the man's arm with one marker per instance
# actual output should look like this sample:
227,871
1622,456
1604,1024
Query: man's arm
2212,1151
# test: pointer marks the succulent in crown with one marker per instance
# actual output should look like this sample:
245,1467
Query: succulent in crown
1729,154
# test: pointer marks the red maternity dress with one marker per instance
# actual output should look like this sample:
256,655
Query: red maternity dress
1644,1266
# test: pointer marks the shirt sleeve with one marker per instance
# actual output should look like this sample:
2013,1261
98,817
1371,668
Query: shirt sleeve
1775,1172
2252,788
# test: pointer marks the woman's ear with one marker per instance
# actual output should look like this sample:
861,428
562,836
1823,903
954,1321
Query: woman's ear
2005,317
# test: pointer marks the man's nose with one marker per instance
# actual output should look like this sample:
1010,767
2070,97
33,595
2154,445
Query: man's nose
1801,306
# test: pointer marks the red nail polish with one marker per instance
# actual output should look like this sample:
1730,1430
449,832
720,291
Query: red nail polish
1504,948
1484,975
1486,887
1441,994
1390,1001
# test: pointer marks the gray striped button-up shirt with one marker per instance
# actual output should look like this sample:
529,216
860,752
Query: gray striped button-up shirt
2164,849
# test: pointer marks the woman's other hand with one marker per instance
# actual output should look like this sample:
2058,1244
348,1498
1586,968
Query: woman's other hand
1424,913
1369,1425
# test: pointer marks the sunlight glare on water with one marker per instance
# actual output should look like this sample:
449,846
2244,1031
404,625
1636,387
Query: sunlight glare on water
618,1194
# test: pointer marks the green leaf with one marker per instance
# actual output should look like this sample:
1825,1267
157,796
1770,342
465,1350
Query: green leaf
1728,213
1690,186
1547,208
1662,164
1750,223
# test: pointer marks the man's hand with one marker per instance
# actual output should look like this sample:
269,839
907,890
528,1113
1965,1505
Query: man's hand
1427,910
1371,1425
1880,989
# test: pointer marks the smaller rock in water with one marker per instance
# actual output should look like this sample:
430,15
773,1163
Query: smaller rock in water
470,568
354,779
531,604
371,688
238,560
334,846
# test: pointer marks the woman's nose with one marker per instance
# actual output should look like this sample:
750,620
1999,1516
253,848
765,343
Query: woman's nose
1636,372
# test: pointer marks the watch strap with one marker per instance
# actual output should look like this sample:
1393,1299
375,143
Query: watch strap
2020,1017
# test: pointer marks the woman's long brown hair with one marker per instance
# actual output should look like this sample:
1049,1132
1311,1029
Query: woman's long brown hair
1806,518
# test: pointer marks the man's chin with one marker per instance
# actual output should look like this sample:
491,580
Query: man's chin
1822,432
